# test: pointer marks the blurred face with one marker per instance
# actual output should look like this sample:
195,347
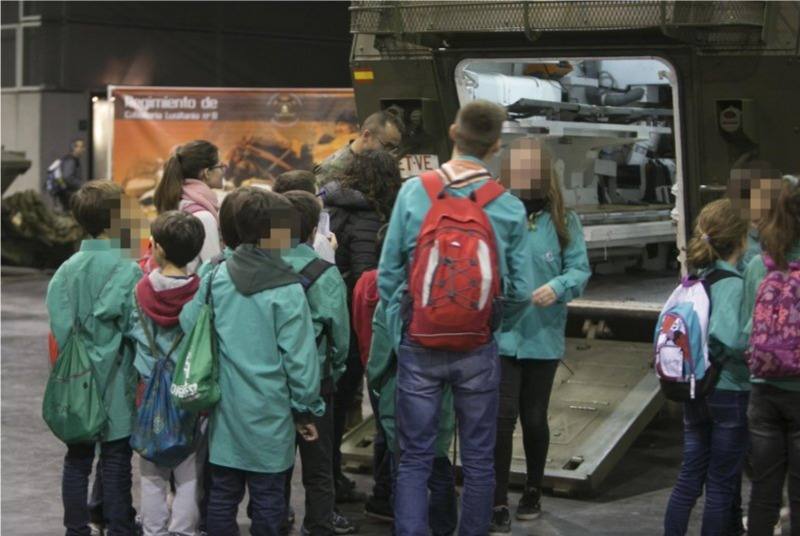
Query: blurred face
526,169
78,148
283,233
753,194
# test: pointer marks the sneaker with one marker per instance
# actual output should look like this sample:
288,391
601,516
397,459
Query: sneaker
530,506
291,517
377,508
342,525
97,529
501,521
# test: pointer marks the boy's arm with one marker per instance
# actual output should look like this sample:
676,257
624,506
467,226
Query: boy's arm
519,279
294,333
392,264
59,306
191,310
331,298
380,350
575,271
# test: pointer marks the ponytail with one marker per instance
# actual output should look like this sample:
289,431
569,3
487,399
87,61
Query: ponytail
718,233
780,231
186,163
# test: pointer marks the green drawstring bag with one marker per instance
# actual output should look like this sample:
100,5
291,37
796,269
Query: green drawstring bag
195,384
73,405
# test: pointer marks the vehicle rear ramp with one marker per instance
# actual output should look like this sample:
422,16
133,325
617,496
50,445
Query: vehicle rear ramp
603,396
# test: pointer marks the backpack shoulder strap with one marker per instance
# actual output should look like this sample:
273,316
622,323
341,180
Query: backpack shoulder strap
718,275
143,321
432,183
487,193
313,271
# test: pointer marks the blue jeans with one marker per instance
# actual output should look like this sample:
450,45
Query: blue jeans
115,468
714,448
475,378
443,510
267,501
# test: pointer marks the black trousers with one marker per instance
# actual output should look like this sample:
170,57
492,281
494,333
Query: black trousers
317,464
774,421
347,390
525,386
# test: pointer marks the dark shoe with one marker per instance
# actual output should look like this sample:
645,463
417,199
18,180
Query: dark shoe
379,509
530,506
342,525
501,521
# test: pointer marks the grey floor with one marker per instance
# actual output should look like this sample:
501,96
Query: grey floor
630,502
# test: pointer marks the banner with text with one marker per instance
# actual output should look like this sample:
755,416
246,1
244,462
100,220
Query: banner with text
260,132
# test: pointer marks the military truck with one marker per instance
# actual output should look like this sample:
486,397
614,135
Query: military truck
645,106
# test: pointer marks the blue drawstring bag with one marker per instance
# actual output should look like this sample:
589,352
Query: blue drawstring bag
163,433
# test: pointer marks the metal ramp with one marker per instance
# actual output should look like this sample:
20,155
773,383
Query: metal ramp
604,395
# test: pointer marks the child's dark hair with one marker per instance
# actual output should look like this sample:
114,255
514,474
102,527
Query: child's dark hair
227,217
376,175
297,179
186,163
718,233
379,238
95,206
780,231
257,211
180,235
308,207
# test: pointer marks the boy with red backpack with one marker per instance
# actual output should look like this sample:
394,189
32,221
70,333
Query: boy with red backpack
771,316
453,253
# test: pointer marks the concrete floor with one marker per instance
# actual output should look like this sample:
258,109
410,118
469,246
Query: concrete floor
630,502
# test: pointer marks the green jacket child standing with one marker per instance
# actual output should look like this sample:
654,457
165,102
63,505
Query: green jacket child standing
94,287
268,367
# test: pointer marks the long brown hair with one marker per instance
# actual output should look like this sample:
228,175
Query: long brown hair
186,162
780,231
375,174
719,232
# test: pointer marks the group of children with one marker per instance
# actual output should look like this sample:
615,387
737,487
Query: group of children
283,335
747,421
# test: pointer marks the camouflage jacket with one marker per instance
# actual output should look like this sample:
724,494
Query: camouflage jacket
334,167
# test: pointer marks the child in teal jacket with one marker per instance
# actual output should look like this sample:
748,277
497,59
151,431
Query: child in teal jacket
533,343
158,300
93,287
774,411
715,427
327,300
382,382
268,367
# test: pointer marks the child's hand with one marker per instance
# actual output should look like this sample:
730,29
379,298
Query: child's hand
333,241
307,431
544,296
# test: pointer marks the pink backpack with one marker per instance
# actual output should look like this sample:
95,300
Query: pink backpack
775,339
454,279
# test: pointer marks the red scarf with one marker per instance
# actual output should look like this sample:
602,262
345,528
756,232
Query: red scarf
164,306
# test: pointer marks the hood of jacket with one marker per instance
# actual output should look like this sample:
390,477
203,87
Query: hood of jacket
253,269
162,298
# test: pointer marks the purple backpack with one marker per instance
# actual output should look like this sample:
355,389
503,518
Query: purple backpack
775,339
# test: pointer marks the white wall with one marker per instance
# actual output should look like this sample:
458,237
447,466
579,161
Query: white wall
21,128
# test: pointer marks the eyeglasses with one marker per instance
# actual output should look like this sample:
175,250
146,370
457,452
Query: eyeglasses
387,145
221,166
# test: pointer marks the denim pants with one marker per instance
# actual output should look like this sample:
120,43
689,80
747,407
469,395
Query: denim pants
714,450
442,509
268,504
421,376
115,468
774,417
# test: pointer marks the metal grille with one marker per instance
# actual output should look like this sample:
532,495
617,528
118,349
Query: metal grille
450,17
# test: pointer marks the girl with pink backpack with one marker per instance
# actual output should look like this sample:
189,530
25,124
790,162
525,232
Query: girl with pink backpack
771,315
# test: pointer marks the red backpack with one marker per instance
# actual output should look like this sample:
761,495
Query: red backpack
454,279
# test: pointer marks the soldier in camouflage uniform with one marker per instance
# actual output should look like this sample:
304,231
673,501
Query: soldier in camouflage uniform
380,131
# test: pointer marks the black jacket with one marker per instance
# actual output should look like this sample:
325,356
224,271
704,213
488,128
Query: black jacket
355,223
